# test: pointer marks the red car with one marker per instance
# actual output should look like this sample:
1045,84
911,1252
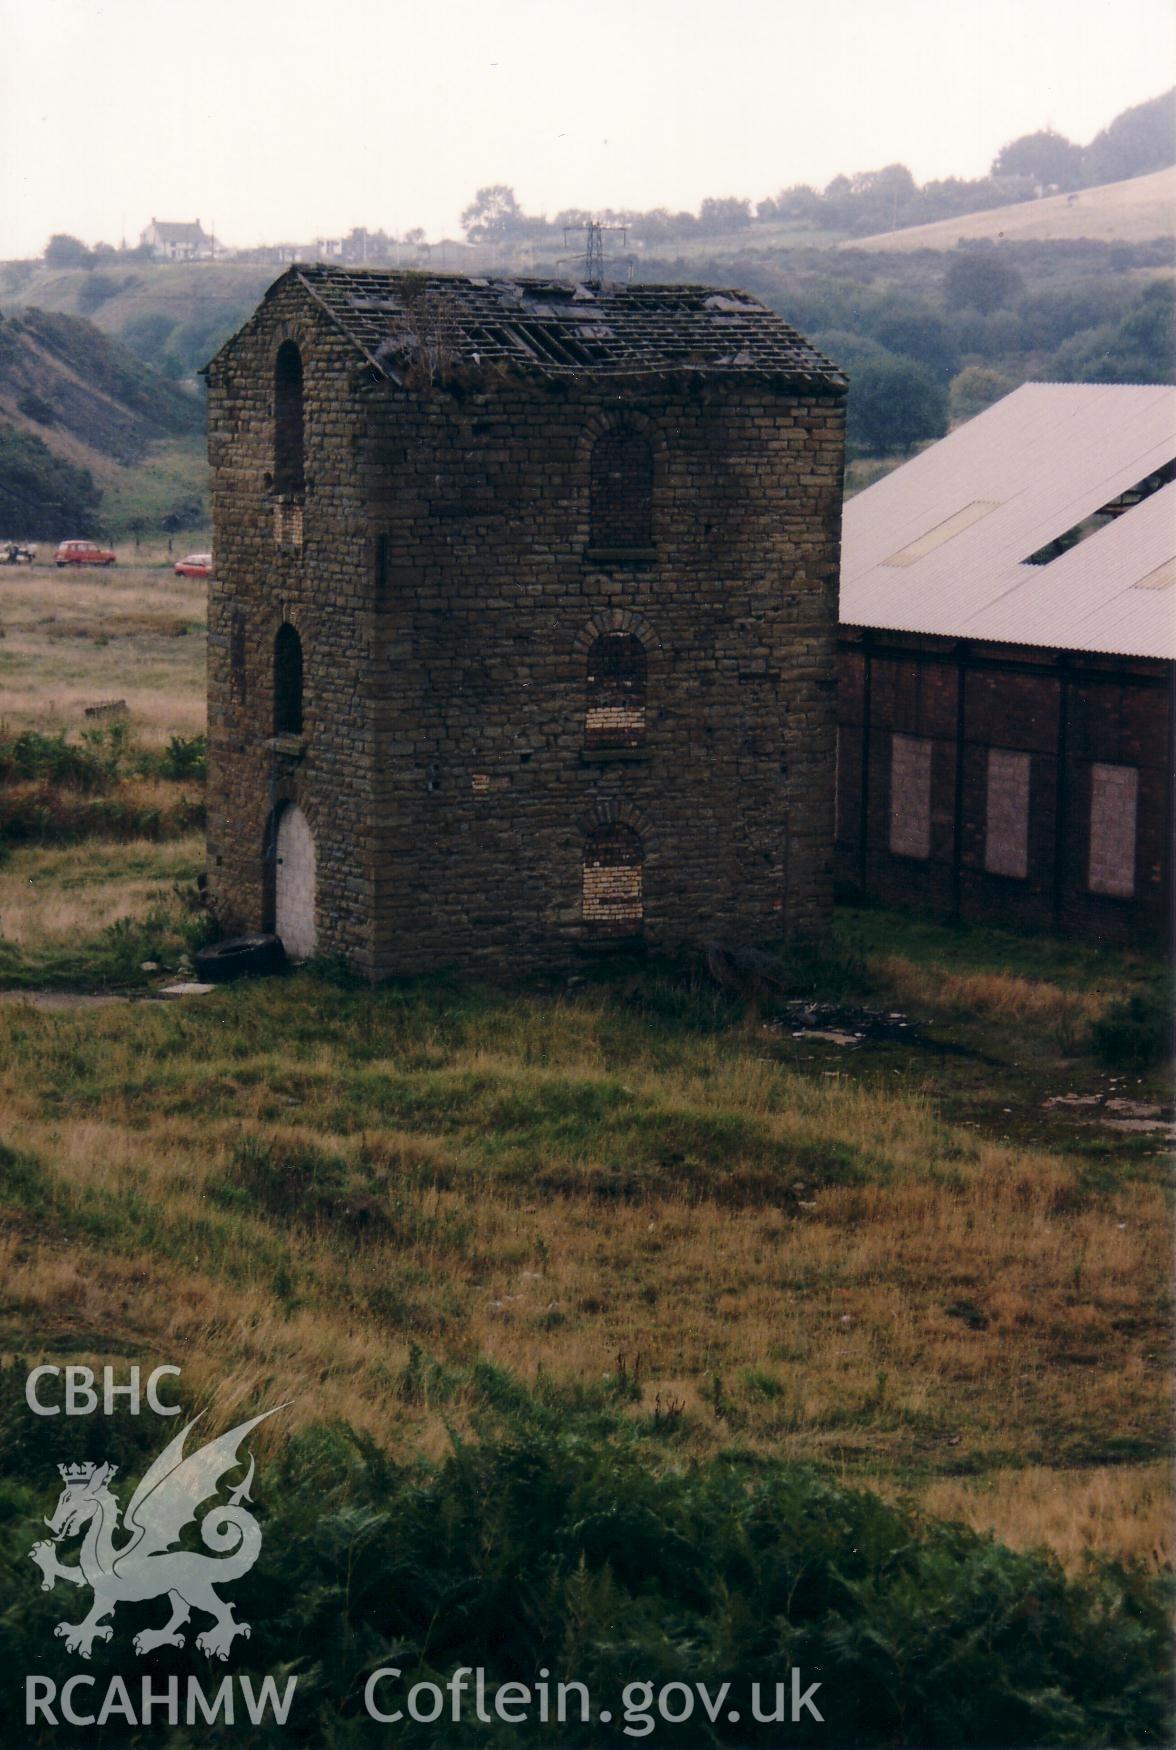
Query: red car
195,565
84,553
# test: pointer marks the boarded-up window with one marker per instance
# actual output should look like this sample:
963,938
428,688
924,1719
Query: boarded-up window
1114,795
1006,835
289,472
910,796
287,682
616,692
621,490
614,903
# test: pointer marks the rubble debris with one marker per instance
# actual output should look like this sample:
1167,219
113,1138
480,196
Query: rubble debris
842,1024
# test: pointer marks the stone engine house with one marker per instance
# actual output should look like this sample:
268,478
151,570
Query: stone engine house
522,640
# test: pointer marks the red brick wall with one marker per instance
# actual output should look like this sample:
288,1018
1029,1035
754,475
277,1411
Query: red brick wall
1116,713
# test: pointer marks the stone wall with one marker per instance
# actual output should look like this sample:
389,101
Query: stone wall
304,562
448,588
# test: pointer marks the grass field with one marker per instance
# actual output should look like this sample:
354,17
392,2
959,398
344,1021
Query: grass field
894,1260
1119,212
780,1249
74,638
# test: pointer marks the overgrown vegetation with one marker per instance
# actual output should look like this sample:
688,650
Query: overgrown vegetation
1136,1032
63,788
87,399
41,493
108,368
561,1540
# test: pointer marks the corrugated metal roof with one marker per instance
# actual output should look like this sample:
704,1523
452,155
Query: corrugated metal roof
1047,456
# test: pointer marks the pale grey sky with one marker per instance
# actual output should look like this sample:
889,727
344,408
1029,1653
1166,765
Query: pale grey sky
284,119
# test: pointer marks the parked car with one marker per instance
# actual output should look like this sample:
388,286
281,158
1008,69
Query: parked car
195,565
84,553
16,553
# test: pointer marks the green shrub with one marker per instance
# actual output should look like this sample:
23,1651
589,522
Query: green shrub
88,765
1135,1033
186,756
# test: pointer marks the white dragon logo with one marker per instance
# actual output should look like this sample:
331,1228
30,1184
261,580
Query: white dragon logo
146,1565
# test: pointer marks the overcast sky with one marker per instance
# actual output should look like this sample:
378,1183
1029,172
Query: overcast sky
289,119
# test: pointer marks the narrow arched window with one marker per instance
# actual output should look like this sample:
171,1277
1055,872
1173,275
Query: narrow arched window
615,714
621,490
289,471
613,881
287,682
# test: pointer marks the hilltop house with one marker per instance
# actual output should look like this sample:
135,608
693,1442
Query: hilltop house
522,640
1007,662
179,242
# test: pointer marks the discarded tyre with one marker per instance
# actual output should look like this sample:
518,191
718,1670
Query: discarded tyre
237,956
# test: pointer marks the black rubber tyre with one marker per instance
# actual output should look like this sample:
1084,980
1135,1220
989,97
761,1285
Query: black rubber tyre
238,955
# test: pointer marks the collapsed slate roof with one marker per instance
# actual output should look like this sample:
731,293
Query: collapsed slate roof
1048,520
557,328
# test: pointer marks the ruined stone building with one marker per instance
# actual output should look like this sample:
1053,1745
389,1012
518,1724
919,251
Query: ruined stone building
1008,668
523,632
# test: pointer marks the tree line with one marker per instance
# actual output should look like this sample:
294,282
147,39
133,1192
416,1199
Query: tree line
1140,140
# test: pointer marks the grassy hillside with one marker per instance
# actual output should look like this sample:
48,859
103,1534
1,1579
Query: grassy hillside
174,315
91,437
1118,212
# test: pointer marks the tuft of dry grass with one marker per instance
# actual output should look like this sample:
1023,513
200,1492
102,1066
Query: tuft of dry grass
1124,1512
993,995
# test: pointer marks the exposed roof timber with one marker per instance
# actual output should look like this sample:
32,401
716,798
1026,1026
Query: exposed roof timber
555,328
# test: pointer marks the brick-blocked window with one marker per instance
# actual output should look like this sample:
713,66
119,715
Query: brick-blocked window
621,490
1006,828
288,525
287,682
613,895
616,686
910,796
289,468
1114,800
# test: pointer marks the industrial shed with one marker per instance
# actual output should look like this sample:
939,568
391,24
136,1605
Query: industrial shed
1006,664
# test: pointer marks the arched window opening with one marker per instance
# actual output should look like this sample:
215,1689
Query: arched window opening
613,890
621,490
616,691
287,682
289,472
